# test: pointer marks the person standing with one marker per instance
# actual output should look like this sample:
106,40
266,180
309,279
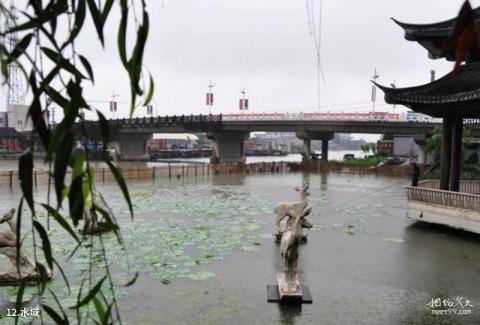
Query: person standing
415,173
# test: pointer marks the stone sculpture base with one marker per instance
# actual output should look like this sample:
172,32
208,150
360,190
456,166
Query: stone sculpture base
278,238
273,295
294,293
12,279
100,228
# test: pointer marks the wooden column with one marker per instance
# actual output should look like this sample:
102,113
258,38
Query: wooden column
456,159
446,153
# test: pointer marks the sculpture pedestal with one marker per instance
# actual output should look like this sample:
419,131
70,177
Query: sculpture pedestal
293,293
273,295
12,279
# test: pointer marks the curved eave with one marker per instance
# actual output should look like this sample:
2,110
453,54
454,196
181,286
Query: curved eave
414,32
439,25
431,98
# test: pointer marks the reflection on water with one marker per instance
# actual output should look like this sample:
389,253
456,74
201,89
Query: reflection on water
289,314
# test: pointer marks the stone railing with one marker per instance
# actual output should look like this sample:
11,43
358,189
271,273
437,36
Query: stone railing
460,200
466,186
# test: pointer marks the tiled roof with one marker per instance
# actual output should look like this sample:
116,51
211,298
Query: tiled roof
440,29
432,36
9,133
456,91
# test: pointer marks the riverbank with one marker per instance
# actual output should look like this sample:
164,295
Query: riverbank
12,164
10,179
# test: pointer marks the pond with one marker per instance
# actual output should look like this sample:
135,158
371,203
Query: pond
205,253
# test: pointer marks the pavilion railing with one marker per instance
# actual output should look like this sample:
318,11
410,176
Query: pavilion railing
460,200
466,186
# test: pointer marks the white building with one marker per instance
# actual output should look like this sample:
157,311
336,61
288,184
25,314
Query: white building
168,141
3,119
404,146
17,117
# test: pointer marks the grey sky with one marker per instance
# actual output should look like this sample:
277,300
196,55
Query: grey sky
265,46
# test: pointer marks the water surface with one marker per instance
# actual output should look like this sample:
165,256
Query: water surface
205,253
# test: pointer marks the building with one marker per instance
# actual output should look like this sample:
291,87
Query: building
270,143
171,141
10,140
385,147
17,117
3,119
405,146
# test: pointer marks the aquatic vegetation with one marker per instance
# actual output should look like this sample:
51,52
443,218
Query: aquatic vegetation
176,232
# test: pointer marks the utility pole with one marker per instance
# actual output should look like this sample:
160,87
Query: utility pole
374,89
50,112
210,97
243,101
15,92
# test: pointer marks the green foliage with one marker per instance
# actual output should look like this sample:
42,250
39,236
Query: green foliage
37,26
369,147
434,144
469,166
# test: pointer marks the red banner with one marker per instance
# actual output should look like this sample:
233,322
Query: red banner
209,99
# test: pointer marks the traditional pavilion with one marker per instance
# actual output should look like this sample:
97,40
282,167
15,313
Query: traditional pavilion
454,97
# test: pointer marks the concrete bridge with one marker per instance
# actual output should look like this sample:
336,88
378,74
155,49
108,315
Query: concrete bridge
130,136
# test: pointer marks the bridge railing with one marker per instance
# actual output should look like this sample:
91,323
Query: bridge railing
303,116
193,121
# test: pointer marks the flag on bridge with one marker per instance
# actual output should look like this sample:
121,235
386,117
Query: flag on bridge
209,99
243,104
113,106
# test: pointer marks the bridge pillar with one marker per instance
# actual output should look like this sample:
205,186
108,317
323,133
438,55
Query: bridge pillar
228,146
325,150
307,149
132,146
308,136
422,154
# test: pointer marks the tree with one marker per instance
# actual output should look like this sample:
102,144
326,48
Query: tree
434,147
48,32
369,147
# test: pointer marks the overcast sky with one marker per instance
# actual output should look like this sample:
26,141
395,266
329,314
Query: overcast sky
265,46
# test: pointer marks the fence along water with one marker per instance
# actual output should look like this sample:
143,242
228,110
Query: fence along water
10,180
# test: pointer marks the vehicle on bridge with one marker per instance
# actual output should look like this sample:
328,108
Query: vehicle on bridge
418,117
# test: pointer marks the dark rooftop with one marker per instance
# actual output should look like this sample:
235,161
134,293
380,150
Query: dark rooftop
10,133
432,36
457,92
